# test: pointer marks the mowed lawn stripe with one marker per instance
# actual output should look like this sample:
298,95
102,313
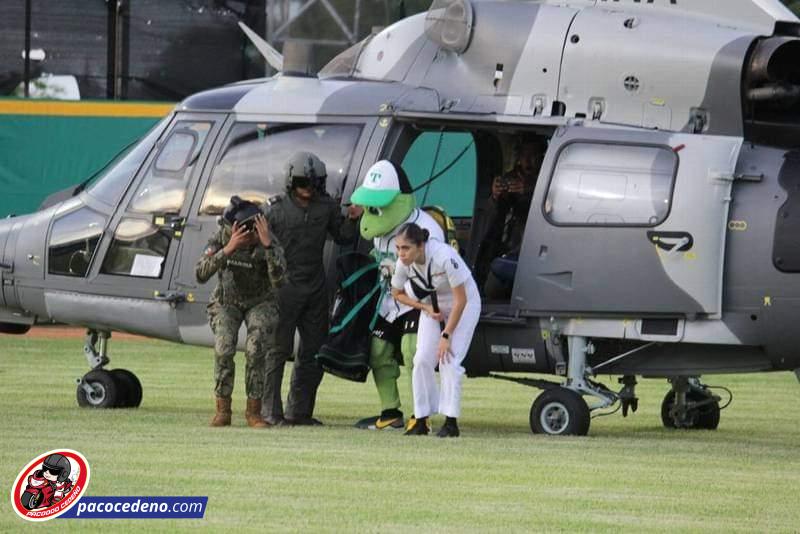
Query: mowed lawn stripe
627,475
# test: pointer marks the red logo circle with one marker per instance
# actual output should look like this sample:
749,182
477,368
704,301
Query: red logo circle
50,485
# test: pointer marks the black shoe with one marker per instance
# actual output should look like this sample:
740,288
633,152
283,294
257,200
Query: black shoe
419,428
449,430
275,420
302,421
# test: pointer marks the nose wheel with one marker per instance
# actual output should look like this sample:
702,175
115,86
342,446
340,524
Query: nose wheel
101,388
560,412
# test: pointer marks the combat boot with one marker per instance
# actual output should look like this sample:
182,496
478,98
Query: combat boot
253,414
223,415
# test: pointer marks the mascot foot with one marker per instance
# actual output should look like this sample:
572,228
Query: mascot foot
387,420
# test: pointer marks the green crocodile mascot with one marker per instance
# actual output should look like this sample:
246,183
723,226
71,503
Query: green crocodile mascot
389,203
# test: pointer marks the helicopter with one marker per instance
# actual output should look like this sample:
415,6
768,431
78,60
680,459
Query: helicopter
661,235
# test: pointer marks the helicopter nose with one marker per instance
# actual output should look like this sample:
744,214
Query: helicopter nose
8,229
6,226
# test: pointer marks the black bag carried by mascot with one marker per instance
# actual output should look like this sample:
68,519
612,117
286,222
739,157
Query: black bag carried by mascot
345,353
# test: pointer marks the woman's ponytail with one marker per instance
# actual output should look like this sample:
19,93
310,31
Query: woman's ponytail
414,233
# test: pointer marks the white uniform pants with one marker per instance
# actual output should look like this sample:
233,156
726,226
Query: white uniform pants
428,399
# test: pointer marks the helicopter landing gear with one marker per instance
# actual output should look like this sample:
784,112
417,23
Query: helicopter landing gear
690,404
101,388
561,409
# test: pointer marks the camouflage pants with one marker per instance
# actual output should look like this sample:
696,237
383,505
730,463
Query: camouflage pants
261,321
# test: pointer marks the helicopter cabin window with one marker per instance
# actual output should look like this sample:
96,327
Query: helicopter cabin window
163,188
111,182
596,184
139,249
441,169
73,241
252,164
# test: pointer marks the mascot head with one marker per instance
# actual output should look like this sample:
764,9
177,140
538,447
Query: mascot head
387,199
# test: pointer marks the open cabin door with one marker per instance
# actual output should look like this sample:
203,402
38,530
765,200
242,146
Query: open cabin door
628,223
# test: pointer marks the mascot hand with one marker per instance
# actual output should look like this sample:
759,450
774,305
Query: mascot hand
387,268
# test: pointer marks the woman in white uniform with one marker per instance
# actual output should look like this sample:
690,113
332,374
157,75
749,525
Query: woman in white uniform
445,326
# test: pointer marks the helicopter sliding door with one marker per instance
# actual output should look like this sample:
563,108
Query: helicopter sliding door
628,222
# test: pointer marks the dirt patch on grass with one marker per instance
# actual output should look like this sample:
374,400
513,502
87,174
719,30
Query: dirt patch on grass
70,332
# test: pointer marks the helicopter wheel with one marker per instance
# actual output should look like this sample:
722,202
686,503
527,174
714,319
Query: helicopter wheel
130,389
105,391
560,412
704,417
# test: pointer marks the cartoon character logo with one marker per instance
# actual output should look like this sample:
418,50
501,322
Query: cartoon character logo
50,485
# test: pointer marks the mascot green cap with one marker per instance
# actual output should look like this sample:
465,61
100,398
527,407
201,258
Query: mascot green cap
387,196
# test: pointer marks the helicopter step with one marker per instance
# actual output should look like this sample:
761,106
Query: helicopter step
102,388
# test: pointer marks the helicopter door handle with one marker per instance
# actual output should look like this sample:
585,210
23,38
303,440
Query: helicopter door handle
173,297
672,242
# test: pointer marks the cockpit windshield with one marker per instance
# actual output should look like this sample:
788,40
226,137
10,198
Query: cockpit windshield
252,165
109,183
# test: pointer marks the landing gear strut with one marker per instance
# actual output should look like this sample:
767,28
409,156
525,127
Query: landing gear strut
561,409
690,404
100,388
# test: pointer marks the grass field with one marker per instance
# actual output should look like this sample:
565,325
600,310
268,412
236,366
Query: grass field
628,475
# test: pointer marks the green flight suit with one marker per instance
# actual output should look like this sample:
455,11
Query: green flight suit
303,300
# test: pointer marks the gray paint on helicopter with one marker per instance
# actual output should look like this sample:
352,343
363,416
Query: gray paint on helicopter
723,105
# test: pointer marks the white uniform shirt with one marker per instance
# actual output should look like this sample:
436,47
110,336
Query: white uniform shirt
443,270
386,251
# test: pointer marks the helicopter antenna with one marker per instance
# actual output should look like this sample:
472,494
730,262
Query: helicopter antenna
273,57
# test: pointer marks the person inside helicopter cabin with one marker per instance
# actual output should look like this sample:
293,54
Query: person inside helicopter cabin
505,216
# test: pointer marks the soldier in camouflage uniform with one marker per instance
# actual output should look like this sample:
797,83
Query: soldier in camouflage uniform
250,264
302,221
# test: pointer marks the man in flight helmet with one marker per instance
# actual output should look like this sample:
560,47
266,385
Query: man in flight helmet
302,220
249,264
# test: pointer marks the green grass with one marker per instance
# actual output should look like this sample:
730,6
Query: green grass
628,474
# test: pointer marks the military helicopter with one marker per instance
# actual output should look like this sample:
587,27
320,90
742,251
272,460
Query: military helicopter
661,237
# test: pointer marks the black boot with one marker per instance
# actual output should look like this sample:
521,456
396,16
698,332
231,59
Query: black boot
420,428
449,429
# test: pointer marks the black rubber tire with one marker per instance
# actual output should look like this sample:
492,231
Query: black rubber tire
706,418
108,391
31,500
130,389
560,412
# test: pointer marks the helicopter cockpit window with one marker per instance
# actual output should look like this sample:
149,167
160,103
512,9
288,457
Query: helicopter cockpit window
73,241
252,163
163,188
597,184
139,249
110,183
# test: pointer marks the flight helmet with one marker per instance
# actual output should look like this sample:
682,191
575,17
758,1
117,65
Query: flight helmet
242,211
305,169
